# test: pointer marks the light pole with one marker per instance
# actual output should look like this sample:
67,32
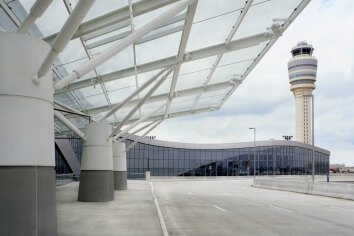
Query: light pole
254,152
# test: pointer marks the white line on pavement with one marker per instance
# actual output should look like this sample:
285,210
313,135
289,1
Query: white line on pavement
190,193
162,221
279,208
217,207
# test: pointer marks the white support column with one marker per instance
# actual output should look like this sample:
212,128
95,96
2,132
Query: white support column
119,166
27,175
96,179
121,45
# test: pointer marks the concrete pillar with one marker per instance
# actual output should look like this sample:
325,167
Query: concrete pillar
119,166
96,179
27,176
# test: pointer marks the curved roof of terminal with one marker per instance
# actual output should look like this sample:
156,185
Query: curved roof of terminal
211,65
266,143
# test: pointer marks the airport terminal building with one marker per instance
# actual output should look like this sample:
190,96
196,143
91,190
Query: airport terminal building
163,158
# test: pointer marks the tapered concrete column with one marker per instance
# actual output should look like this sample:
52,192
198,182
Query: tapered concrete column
119,166
27,176
96,179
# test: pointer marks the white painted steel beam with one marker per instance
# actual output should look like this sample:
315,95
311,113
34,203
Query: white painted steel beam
64,36
106,30
141,120
142,136
68,124
172,115
103,87
69,108
145,39
163,97
116,16
234,29
136,92
36,11
134,49
119,46
189,56
181,51
141,102
138,130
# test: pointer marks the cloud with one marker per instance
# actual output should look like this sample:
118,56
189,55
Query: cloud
265,101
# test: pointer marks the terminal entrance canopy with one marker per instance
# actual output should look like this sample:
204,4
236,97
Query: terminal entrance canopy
132,62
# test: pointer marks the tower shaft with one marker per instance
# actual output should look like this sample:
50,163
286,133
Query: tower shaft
303,114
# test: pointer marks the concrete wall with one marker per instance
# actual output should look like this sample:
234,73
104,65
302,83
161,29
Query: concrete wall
339,190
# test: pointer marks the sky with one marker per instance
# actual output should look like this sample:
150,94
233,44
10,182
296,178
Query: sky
264,100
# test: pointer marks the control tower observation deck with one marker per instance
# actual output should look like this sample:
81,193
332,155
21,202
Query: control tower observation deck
302,69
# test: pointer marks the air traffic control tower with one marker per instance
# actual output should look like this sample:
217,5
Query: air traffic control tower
302,69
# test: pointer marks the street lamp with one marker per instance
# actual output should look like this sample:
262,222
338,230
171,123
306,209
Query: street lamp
254,152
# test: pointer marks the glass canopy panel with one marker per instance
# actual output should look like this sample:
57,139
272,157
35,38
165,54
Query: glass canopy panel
209,101
212,24
94,101
260,16
141,20
111,35
181,100
157,49
192,80
197,66
143,77
91,91
102,7
122,60
181,106
118,96
119,84
210,32
66,99
150,106
231,71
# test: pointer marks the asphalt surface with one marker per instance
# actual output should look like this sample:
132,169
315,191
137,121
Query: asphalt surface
233,207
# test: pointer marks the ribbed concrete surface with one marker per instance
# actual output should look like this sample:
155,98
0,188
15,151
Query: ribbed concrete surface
132,212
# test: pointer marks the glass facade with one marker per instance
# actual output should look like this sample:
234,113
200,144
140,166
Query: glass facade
61,165
264,160
168,161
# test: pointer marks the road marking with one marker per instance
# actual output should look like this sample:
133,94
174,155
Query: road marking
217,207
346,209
162,221
190,193
279,208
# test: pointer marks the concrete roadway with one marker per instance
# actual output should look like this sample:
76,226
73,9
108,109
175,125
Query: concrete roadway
233,207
